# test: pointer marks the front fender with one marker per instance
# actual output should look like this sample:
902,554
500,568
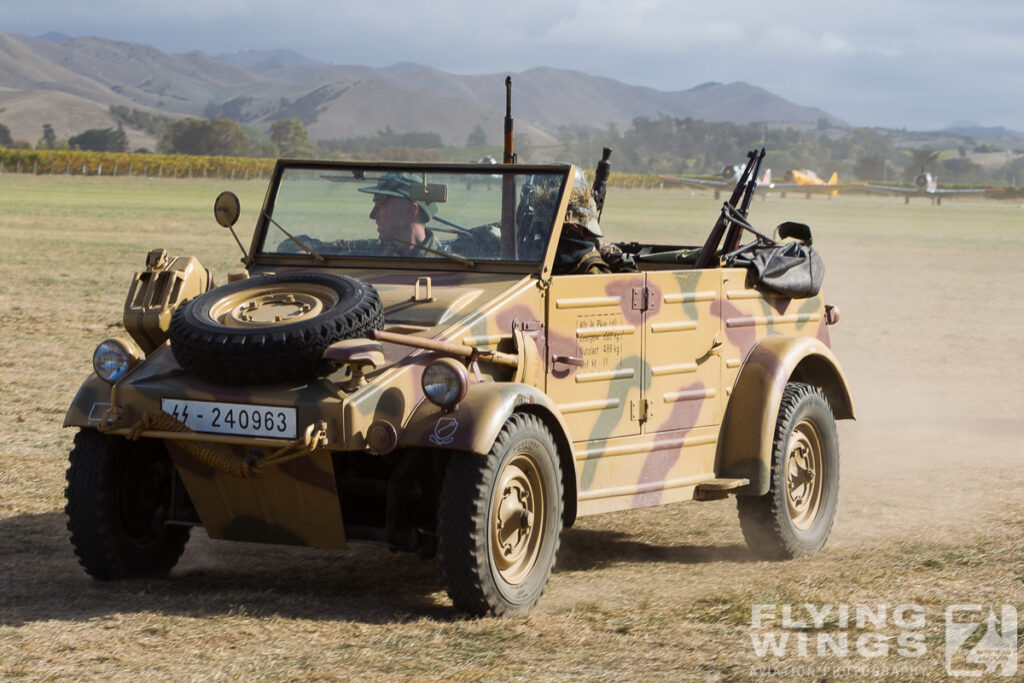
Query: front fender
473,424
91,404
748,427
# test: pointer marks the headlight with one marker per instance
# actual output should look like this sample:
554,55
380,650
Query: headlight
113,358
445,382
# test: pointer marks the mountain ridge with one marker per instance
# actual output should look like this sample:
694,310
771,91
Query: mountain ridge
75,81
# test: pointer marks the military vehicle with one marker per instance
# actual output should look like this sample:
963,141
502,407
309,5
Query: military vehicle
448,390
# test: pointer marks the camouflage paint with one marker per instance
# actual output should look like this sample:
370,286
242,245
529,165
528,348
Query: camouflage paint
682,375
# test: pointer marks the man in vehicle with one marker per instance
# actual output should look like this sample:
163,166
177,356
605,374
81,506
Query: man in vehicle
401,221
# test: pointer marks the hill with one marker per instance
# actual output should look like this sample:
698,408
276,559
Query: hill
72,82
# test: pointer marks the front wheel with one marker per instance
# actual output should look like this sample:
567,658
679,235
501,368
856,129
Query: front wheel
118,500
795,517
500,519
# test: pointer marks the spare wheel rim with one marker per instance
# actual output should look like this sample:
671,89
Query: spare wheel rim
290,302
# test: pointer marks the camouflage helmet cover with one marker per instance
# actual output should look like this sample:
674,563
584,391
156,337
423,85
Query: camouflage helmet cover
582,211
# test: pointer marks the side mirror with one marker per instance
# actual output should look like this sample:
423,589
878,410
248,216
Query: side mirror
799,231
227,209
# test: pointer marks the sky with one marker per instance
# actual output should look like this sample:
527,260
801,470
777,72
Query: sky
915,64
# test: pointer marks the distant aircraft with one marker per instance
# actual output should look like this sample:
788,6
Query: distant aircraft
804,180
926,185
487,159
730,175
808,182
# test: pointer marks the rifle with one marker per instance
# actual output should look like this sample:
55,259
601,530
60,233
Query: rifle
604,169
711,245
510,156
509,241
732,240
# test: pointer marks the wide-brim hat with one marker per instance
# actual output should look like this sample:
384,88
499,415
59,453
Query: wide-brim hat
400,185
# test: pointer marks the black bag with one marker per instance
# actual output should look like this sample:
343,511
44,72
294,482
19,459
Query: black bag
794,270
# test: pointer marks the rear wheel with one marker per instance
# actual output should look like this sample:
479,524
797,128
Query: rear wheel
795,517
118,500
500,520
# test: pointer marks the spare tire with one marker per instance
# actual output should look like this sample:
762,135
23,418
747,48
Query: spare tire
271,328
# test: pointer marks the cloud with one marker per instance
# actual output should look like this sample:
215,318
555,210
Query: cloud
865,64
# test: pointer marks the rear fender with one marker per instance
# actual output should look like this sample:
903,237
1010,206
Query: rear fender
748,428
473,425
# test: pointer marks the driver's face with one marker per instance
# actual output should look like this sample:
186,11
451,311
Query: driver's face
393,216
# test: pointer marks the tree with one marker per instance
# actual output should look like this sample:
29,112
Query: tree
870,167
478,138
49,140
964,170
921,160
292,139
101,140
216,137
5,136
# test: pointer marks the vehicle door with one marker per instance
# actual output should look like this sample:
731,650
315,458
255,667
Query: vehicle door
594,353
683,330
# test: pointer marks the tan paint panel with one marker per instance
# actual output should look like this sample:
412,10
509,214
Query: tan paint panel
682,327
625,473
295,505
591,321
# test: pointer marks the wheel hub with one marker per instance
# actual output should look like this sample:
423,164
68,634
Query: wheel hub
804,480
515,508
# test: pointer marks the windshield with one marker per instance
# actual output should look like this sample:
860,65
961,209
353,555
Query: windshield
412,213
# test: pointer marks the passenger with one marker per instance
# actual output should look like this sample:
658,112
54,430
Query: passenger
577,251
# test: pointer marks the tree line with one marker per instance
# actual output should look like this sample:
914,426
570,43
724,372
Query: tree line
662,145
667,145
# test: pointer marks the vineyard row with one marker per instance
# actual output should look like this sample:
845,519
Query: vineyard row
114,164
64,162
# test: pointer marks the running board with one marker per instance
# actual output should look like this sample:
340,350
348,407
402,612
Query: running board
713,489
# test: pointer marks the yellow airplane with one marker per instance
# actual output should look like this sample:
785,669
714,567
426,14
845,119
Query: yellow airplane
804,180
808,177
808,182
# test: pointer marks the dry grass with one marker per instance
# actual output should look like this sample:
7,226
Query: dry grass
929,514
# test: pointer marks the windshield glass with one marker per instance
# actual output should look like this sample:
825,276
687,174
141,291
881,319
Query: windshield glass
411,213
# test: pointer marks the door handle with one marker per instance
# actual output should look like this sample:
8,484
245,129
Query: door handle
716,346
568,360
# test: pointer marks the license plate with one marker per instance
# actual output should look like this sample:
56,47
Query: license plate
214,417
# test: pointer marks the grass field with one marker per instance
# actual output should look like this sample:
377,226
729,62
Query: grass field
930,504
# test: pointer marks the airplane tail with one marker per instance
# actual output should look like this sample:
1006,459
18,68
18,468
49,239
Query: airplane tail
766,180
933,183
834,180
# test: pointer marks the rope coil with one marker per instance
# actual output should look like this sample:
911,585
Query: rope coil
220,458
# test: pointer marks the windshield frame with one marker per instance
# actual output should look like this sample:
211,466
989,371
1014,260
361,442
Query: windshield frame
265,223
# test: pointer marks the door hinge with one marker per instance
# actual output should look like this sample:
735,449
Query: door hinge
641,298
527,325
641,410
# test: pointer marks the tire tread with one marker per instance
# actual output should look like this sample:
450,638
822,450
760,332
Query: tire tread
764,519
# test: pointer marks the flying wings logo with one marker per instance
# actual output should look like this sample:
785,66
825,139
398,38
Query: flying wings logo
979,645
